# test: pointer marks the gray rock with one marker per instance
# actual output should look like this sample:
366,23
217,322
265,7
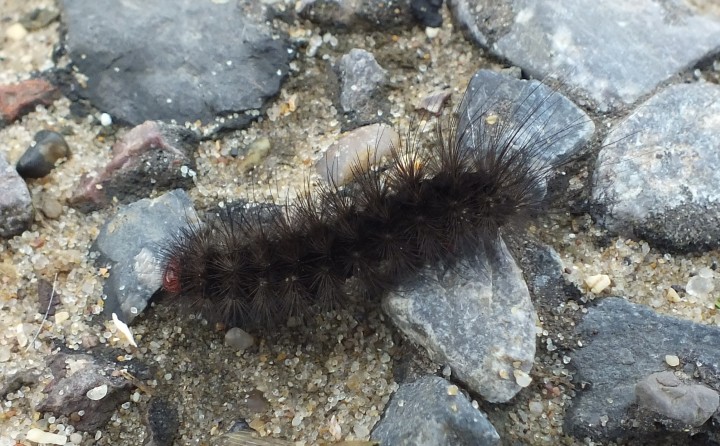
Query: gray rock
131,243
613,51
46,149
433,412
624,344
657,177
680,405
179,60
151,157
476,318
162,422
362,79
539,120
16,209
76,374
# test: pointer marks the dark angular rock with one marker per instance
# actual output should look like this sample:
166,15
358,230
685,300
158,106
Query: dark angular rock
46,149
613,51
16,210
380,15
131,242
84,384
538,116
657,176
427,12
151,156
14,382
162,422
362,98
432,412
47,297
625,344
179,60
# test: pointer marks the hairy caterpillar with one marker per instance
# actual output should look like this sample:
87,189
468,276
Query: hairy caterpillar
484,174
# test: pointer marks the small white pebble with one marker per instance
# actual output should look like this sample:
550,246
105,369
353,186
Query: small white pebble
105,120
431,33
702,284
536,407
597,283
16,32
672,360
75,438
521,378
97,393
40,436
239,339
452,390
5,353
61,316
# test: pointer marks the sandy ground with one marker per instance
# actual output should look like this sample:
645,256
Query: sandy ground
334,383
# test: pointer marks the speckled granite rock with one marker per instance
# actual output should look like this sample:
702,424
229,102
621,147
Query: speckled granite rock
362,81
657,177
478,319
614,51
433,412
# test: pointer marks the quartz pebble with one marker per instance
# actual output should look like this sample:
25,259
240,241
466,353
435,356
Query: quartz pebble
239,339
105,120
597,283
702,284
97,393
672,360
40,436
16,32
522,378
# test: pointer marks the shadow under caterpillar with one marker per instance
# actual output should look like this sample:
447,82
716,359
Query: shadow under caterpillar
484,174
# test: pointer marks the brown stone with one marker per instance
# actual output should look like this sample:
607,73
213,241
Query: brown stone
20,99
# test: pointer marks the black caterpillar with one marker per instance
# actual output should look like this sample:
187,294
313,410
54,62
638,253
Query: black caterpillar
484,174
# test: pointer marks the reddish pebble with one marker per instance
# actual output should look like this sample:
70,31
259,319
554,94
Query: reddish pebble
20,99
